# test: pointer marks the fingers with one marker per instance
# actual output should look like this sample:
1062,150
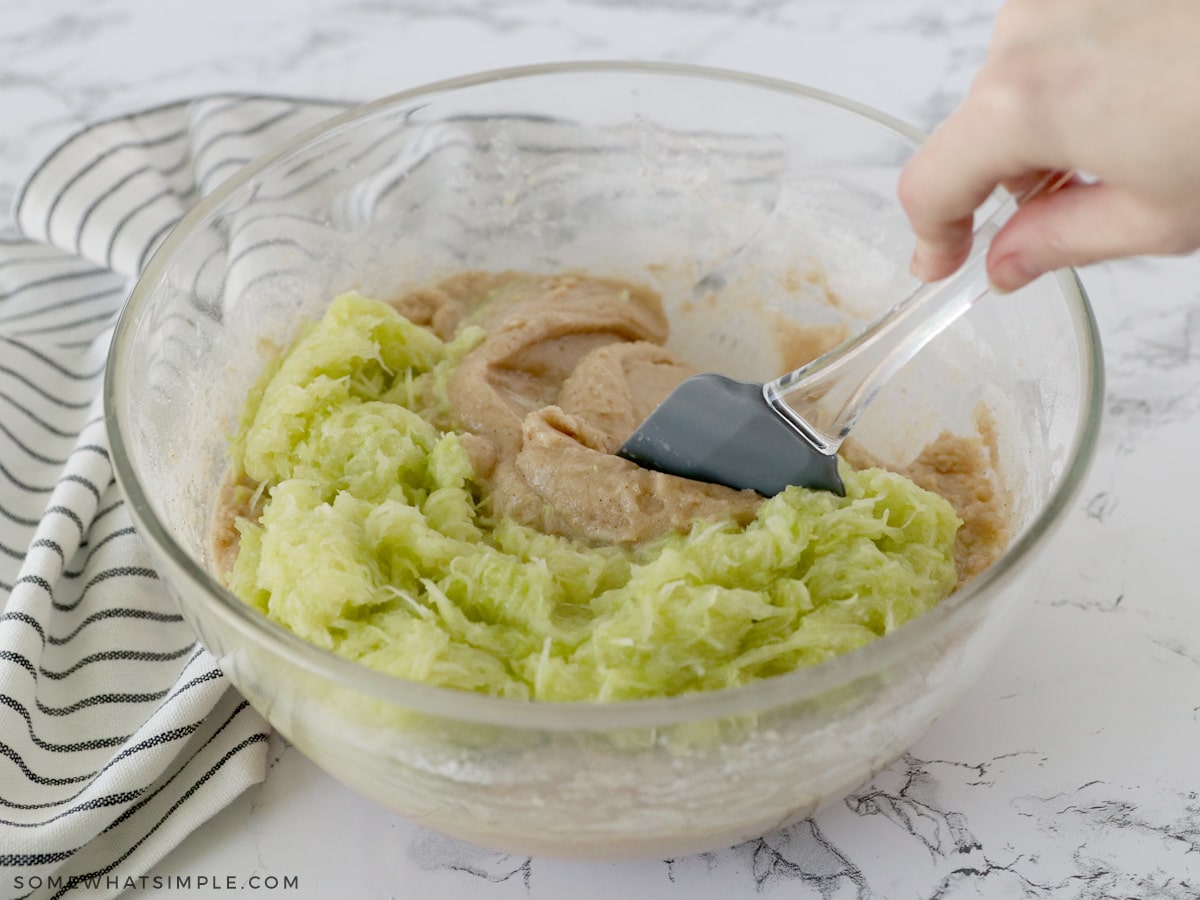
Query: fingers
1106,86
949,177
1078,225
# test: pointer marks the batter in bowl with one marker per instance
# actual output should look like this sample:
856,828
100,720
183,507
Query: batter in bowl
428,487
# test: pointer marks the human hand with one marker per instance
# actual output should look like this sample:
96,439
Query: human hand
1107,87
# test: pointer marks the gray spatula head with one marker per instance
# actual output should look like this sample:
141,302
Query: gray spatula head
712,428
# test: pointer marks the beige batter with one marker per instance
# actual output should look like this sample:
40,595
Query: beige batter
570,367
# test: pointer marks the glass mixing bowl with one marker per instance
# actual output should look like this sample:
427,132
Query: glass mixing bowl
748,203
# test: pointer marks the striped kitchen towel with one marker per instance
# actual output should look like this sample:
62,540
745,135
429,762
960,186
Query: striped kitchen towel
118,733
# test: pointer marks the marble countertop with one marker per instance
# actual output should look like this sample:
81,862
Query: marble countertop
1067,771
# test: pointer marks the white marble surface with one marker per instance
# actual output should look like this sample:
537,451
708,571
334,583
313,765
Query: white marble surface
1067,771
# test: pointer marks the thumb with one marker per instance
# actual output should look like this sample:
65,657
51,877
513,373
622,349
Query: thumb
1075,226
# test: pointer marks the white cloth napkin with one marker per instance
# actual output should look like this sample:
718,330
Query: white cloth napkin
118,733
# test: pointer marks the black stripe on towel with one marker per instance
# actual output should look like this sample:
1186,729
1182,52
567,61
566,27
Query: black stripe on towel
209,676
105,575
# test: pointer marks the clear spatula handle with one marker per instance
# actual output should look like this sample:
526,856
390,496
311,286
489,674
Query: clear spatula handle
824,398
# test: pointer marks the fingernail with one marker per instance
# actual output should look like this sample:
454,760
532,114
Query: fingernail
1009,274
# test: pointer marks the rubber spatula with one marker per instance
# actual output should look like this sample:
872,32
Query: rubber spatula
788,431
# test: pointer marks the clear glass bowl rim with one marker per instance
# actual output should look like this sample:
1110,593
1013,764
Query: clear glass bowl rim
580,715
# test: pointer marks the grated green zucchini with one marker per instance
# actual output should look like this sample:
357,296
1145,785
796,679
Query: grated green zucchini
374,542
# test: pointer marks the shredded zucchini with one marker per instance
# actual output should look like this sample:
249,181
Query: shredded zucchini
373,542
